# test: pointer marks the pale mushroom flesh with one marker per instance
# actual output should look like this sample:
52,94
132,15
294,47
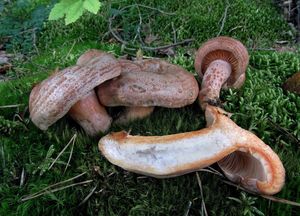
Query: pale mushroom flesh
242,156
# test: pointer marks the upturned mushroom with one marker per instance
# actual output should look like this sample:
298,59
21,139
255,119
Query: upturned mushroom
242,156
220,62
144,84
54,97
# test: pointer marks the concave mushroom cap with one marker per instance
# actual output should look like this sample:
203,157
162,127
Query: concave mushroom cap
243,157
52,98
149,83
229,50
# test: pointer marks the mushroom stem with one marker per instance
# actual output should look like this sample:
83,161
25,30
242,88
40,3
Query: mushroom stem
90,115
245,158
134,113
214,78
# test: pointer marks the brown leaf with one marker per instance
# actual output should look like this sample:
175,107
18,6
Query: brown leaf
5,61
150,38
292,84
168,51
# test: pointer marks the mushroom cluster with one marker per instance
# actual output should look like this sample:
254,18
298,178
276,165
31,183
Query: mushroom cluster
143,84
98,79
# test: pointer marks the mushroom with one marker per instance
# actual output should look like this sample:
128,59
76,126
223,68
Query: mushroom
242,156
148,83
88,112
53,98
220,62
292,84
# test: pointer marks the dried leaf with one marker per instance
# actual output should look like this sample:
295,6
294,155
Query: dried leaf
150,38
292,84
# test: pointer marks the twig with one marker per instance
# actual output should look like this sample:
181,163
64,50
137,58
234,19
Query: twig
167,46
34,41
138,30
156,9
280,200
174,33
203,208
62,151
186,213
58,183
224,17
272,198
125,43
22,177
213,171
70,49
88,196
261,49
285,131
71,153
22,32
55,190
11,106
3,157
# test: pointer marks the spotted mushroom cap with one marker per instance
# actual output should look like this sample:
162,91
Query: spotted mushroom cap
227,49
149,83
52,98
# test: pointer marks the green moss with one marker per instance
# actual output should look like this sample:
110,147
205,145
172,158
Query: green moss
119,192
260,102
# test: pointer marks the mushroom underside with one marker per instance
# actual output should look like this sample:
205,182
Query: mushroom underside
242,156
243,165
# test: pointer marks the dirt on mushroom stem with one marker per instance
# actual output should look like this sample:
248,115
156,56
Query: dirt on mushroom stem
213,80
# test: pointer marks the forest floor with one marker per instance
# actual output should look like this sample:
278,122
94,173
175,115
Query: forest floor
81,181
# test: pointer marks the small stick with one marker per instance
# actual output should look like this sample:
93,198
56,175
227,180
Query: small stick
272,198
59,183
285,131
11,106
156,9
55,190
71,153
88,196
186,213
203,208
70,49
120,40
62,151
211,171
224,17
174,33
22,177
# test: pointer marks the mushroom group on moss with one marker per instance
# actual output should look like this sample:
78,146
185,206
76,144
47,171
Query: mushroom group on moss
244,158
138,85
98,80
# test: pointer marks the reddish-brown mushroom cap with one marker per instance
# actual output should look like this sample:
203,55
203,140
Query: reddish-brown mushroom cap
88,112
52,99
149,83
229,50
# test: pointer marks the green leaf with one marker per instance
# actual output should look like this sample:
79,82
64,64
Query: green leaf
59,10
92,6
74,12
